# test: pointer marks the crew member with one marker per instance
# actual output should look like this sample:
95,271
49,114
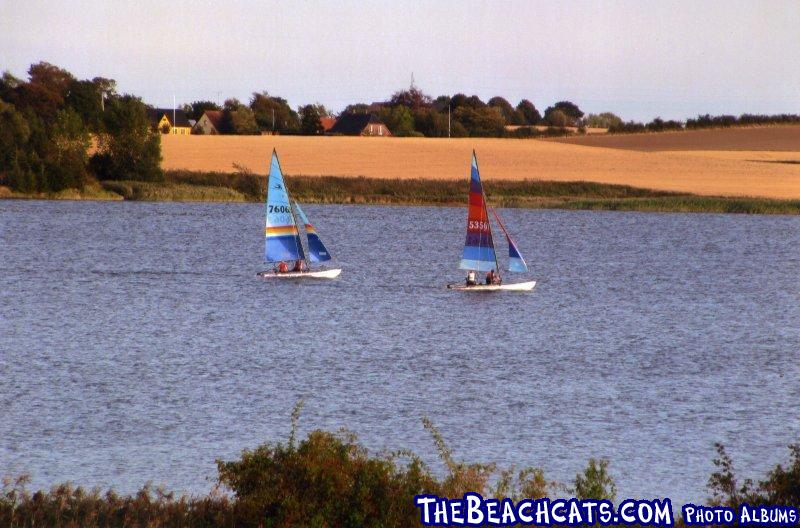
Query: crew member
283,267
471,279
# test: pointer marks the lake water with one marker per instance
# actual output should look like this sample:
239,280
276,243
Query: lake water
136,343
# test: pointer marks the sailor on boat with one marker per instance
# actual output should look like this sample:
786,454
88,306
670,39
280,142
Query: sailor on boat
493,278
471,279
283,267
298,266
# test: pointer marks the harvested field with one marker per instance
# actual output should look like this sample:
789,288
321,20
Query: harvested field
766,138
505,159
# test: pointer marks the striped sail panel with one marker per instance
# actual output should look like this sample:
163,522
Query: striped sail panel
515,260
283,239
317,252
478,252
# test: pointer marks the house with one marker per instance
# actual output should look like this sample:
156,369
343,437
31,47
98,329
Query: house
161,119
359,125
210,123
327,123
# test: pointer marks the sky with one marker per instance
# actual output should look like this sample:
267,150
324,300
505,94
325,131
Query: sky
639,59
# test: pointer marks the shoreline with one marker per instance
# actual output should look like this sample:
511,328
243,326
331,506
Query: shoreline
213,187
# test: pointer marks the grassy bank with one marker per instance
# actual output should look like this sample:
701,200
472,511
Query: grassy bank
330,479
222,187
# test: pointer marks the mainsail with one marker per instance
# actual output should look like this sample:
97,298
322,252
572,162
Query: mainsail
283,240
478,252
515,260
317,252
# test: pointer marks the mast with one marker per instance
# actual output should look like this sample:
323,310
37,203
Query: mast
294,216
488,222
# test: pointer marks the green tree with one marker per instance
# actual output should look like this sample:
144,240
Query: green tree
357,108
128,149
595,482
413,98
195,110
556,118
481,122
66,158
274,114
51,77
398,119
530,115
88,98
603,120
508,111
310,116
14,150
242,121
326,480
569,109
430,122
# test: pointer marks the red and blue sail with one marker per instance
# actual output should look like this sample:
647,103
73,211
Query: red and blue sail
317,252
515,260
478,251
283,239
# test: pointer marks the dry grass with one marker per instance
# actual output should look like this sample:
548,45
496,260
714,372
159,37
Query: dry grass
504,159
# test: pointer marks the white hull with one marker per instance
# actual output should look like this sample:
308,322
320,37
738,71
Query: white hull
319,274
520,286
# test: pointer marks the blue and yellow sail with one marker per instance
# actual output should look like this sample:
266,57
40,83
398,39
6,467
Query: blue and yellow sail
282,236
317,252
478,251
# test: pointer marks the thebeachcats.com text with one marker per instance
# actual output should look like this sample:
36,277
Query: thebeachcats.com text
474,510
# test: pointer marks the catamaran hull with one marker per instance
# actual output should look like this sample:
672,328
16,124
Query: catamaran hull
320,274
520,286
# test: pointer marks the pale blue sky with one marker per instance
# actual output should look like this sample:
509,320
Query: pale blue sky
639,59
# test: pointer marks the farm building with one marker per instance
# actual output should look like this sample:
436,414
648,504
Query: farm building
161,119
210,123
359,125
327,123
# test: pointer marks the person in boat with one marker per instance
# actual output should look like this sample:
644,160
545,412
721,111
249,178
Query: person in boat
283,267
490,277
471,279
298,266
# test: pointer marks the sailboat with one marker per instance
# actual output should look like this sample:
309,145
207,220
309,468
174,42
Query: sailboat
283,243
479,252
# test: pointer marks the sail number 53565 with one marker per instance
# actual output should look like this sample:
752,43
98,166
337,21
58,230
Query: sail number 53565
280,209
478,225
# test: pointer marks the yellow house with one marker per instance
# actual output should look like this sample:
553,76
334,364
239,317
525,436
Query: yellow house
169,121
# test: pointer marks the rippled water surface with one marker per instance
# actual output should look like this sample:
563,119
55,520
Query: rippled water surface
137,344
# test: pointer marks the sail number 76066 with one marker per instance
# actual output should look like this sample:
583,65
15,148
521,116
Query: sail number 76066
279,209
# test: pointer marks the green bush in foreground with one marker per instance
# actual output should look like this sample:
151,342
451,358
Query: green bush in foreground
329,480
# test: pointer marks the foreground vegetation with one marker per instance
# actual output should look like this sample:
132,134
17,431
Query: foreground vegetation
247,187
331,480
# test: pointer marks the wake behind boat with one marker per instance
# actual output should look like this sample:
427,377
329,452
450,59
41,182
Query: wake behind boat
284,248
479,253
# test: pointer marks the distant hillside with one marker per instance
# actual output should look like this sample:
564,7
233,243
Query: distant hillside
768,138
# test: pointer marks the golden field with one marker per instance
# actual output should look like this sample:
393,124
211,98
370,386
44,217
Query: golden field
713,167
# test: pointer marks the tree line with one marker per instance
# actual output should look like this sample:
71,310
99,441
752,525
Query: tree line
616,125
411,112
407,113
51,123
